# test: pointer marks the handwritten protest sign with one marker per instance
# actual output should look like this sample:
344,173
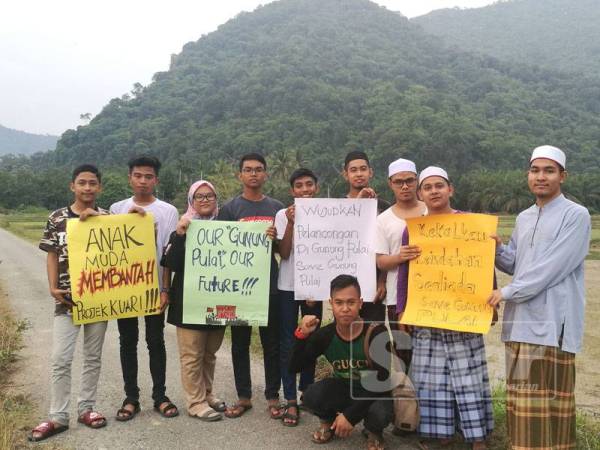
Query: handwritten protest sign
333,237
227,273
448,285
113,267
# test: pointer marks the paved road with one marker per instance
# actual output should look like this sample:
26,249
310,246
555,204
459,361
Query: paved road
23,277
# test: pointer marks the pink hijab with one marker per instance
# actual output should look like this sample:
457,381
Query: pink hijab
191,213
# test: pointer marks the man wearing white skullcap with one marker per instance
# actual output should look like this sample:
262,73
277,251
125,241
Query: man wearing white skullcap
544,307
391,226
448,368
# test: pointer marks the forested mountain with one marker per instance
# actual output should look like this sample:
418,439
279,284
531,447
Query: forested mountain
558,34
22,143
305,81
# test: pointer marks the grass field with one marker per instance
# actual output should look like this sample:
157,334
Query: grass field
30,225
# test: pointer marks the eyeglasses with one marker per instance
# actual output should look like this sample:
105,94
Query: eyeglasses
256,170
408,182
205,197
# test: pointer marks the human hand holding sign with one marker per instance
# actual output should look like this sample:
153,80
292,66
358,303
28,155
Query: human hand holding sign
309,324
495,298
60,296
182,226
135,209
498,240
367,193
408,253
88,212
290,213
341,426
272,232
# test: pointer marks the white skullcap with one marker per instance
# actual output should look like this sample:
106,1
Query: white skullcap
401,165
433,171
549,152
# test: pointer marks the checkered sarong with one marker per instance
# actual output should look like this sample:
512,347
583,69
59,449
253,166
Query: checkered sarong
540,397
449,371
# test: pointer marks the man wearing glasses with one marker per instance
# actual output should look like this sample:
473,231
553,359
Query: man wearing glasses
254,206
391,241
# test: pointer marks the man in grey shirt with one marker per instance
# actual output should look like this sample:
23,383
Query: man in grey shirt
544,307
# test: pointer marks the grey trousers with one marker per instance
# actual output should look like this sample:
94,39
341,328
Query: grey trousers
63,347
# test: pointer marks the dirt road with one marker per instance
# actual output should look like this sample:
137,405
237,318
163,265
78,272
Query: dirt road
23,277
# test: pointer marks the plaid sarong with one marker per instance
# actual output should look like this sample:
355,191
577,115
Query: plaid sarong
540,397
449,371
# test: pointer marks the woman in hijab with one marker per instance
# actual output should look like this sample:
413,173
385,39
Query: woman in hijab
198,344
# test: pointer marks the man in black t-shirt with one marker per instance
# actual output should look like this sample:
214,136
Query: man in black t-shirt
253,206
360,385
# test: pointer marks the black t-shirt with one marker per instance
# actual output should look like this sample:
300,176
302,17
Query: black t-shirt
242,210
174,259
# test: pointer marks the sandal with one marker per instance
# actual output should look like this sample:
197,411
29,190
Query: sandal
323,435
92,419
275,410
218,405
166,408
288,419
375,442
208,415
124,414
46,430
237,410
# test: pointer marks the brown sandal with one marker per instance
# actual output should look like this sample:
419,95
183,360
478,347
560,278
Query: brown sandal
375,442
275,410
237,410
46,430
92,419
323,435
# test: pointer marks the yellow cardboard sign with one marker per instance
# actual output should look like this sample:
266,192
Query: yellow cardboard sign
448,285
113,267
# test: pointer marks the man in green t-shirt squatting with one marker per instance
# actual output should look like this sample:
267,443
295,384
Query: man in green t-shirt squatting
349,395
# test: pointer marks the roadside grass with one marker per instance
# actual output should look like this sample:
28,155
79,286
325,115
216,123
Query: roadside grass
15,408
28,224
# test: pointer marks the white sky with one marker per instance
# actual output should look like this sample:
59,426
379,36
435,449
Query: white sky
63,58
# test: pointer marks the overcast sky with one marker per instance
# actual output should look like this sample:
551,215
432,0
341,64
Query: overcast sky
63,58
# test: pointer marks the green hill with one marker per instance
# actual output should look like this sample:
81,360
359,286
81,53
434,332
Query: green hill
305,81
22,143
558,34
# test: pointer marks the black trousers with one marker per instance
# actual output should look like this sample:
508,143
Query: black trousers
330,396
240,354
155,341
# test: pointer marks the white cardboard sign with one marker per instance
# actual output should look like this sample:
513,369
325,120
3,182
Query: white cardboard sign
334,237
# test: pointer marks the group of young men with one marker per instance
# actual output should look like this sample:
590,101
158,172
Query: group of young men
542,326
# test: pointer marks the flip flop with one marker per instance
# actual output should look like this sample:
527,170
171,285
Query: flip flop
46,430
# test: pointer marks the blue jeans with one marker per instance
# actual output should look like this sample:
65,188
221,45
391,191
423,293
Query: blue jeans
288,310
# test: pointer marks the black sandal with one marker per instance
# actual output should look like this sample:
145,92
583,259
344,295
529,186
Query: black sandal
168,407
292,419
123,415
